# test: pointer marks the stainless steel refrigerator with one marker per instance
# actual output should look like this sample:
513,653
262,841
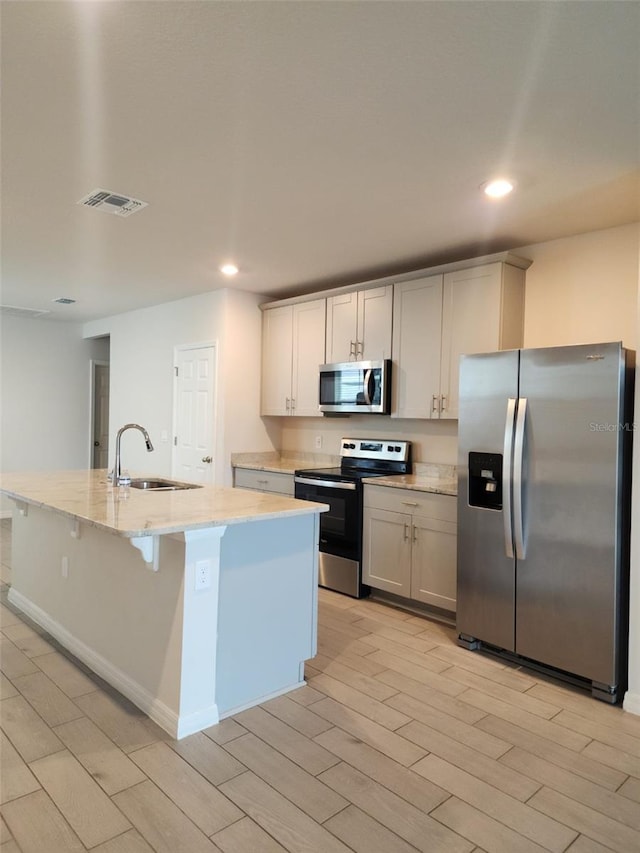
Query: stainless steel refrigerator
543,509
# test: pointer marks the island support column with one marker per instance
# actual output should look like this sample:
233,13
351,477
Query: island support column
198,707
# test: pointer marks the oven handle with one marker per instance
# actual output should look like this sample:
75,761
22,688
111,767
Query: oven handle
332,484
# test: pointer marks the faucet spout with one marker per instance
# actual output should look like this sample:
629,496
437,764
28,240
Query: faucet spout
117,469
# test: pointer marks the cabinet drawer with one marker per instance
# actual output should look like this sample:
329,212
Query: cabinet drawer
264,481
442,507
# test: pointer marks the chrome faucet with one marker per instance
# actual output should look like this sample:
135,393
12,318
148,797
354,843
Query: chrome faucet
117,469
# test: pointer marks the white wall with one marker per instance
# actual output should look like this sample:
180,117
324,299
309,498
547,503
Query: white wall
583,289
432,441
142,378
45,391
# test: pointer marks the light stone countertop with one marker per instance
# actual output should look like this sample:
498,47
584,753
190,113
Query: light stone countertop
87,496
283,463
427,477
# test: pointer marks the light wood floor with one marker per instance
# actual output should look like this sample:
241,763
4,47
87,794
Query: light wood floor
401,741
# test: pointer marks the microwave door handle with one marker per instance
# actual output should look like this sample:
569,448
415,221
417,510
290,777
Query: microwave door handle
367,386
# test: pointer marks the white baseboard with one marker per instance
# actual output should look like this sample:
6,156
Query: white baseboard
631,702
176,726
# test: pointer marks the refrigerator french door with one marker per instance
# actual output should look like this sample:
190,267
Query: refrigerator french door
543,508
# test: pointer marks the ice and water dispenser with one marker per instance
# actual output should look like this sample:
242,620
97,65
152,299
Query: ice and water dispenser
485,480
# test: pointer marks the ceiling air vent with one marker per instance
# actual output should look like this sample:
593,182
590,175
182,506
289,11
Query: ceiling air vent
29,313
109,202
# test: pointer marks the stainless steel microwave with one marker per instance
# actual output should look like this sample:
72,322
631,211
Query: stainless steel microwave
356,386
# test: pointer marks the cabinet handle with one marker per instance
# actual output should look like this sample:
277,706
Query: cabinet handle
359,349
409,503
264,482
406,532
415,533
287,404
443,403
435,404
352,349
293,403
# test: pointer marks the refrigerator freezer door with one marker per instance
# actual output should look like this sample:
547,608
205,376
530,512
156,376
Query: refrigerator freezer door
486,575
568,582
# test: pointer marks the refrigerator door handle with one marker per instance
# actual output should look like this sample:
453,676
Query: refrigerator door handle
506,477
518,452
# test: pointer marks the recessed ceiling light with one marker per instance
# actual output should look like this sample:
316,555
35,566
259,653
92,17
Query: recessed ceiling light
229,269
498,188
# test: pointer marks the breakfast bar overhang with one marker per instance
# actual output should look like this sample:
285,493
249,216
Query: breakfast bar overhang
194,604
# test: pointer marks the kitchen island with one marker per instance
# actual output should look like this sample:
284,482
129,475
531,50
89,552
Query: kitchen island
193,603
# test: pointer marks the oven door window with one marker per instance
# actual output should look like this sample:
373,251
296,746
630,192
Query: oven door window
340,526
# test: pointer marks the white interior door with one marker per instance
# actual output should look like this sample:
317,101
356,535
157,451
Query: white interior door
194,405
100,453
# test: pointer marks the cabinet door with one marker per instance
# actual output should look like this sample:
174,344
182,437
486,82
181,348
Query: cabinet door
433,567
386,550
417,318
375,308
470,324
482,311
277,349
264,481
308,355
342,320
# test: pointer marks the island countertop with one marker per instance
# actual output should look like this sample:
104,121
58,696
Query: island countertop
87,496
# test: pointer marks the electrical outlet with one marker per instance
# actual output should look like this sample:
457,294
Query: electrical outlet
318,442
65,567
203,574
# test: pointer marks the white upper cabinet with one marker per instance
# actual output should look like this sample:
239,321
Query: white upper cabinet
423,324
417,321
277,348
438,319
293,341
359,325
482,311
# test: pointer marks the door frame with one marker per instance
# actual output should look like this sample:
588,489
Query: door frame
93,363
179,348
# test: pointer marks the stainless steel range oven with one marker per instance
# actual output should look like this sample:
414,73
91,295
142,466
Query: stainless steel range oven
340,563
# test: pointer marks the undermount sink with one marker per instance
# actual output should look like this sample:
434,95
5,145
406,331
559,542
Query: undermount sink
158,484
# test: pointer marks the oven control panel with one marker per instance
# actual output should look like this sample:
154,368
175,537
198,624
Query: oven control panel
367,448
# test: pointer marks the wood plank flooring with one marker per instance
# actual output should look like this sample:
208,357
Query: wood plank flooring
401,741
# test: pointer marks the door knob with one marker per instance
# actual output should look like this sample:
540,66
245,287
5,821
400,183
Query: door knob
206,459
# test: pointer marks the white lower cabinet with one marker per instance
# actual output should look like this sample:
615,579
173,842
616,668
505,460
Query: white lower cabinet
409,544
263,481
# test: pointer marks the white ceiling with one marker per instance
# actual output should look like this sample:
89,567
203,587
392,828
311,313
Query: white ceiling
315,143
